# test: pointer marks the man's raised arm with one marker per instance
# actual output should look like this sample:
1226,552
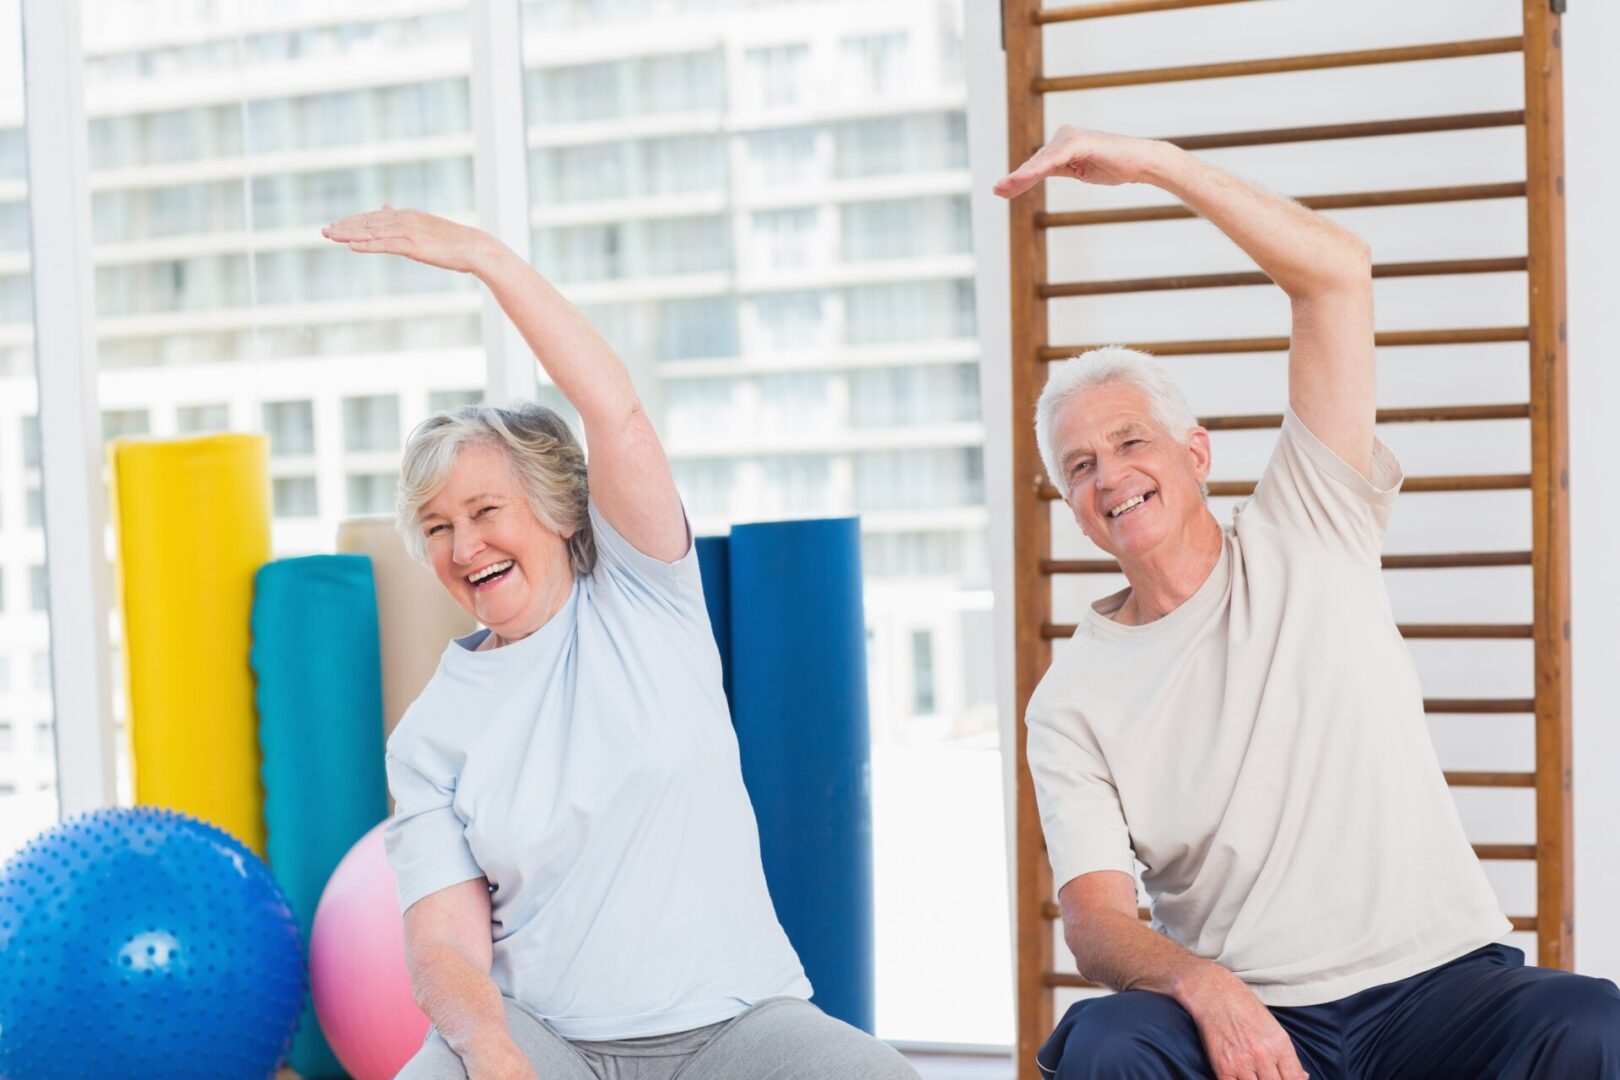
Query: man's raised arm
1324,269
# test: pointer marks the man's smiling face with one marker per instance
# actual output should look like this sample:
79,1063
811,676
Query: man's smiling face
1131,484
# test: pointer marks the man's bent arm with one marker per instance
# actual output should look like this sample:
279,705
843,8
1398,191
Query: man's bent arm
1325,269
1240,1036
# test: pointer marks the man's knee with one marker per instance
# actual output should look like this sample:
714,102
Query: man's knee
1131,1034
1585,1024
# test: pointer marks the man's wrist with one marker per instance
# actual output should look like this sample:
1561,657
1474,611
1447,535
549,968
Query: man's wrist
1164,165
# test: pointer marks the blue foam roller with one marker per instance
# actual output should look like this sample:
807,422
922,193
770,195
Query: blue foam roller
316,656
714,563
798,661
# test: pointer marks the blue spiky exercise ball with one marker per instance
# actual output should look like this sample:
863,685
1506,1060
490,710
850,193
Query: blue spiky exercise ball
144,943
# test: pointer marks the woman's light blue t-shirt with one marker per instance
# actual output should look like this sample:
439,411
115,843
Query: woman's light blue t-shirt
590,772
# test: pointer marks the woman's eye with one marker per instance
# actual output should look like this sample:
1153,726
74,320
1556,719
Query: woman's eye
484,511
434,530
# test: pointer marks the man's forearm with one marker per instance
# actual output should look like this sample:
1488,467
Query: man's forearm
1122,954
1303,252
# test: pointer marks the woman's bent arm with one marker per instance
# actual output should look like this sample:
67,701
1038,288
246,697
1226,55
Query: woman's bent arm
630,477
448,952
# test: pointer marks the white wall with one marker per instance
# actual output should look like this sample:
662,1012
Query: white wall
1446,375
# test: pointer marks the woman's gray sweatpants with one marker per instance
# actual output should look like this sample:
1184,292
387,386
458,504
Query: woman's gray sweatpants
782,1038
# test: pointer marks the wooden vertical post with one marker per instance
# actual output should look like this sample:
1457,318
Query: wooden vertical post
1549,469
1032,525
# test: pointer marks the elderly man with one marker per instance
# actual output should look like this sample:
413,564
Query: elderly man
1246,722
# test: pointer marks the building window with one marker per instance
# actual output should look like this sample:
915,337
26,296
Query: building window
8,743
295,497
784,239
35,508
875,65
776,75
42,738
116,423
30,442
291,427
191,419
704,327
39,596
371,493
371,424
447,400
782,158
922,672
42,669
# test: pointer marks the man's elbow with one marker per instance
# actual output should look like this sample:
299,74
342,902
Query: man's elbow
1343,264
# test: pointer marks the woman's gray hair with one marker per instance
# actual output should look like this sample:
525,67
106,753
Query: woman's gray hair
545,457
1111,364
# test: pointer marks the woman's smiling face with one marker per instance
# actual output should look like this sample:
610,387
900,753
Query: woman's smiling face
489,551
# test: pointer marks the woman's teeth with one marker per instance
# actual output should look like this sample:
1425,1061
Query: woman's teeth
490,572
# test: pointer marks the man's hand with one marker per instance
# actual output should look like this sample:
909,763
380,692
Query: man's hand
1092,156
428,239
1241,1038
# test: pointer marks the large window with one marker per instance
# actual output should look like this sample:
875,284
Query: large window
27,751
803,333
723,205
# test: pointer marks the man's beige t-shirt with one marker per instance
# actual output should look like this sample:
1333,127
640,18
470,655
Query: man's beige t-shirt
1262,750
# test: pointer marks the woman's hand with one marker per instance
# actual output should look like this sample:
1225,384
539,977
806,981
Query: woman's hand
1094,157
507,1064
428,239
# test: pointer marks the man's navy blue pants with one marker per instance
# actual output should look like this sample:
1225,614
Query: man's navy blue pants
1484,1015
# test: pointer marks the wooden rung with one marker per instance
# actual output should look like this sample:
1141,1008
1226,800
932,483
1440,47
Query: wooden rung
1420,414
1417,125
1050,910
1479,705
1428,268
1505,852
1465,631
1491,779
1412,485
1445,50
1410,631
1389,339
1465,559
1062,979
1120,7
1349,201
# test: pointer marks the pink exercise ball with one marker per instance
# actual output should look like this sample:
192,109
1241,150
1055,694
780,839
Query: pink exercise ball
357,970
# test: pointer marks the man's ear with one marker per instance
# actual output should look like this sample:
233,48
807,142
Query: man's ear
1198,446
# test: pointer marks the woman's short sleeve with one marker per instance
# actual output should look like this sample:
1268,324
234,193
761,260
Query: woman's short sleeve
426,839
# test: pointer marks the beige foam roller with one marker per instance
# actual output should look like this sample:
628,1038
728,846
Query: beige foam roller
416,618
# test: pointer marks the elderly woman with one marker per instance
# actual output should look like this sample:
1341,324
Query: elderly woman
576,855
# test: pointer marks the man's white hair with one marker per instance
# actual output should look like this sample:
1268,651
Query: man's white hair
1099,367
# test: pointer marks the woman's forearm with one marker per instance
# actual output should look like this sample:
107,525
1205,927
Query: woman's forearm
463,1003
577,358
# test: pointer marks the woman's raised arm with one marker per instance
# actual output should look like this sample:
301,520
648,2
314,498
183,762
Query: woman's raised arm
630,478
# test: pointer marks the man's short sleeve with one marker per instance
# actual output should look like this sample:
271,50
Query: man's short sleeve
1308,490
426,839
1080,809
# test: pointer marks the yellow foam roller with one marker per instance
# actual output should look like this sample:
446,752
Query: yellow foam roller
193,527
